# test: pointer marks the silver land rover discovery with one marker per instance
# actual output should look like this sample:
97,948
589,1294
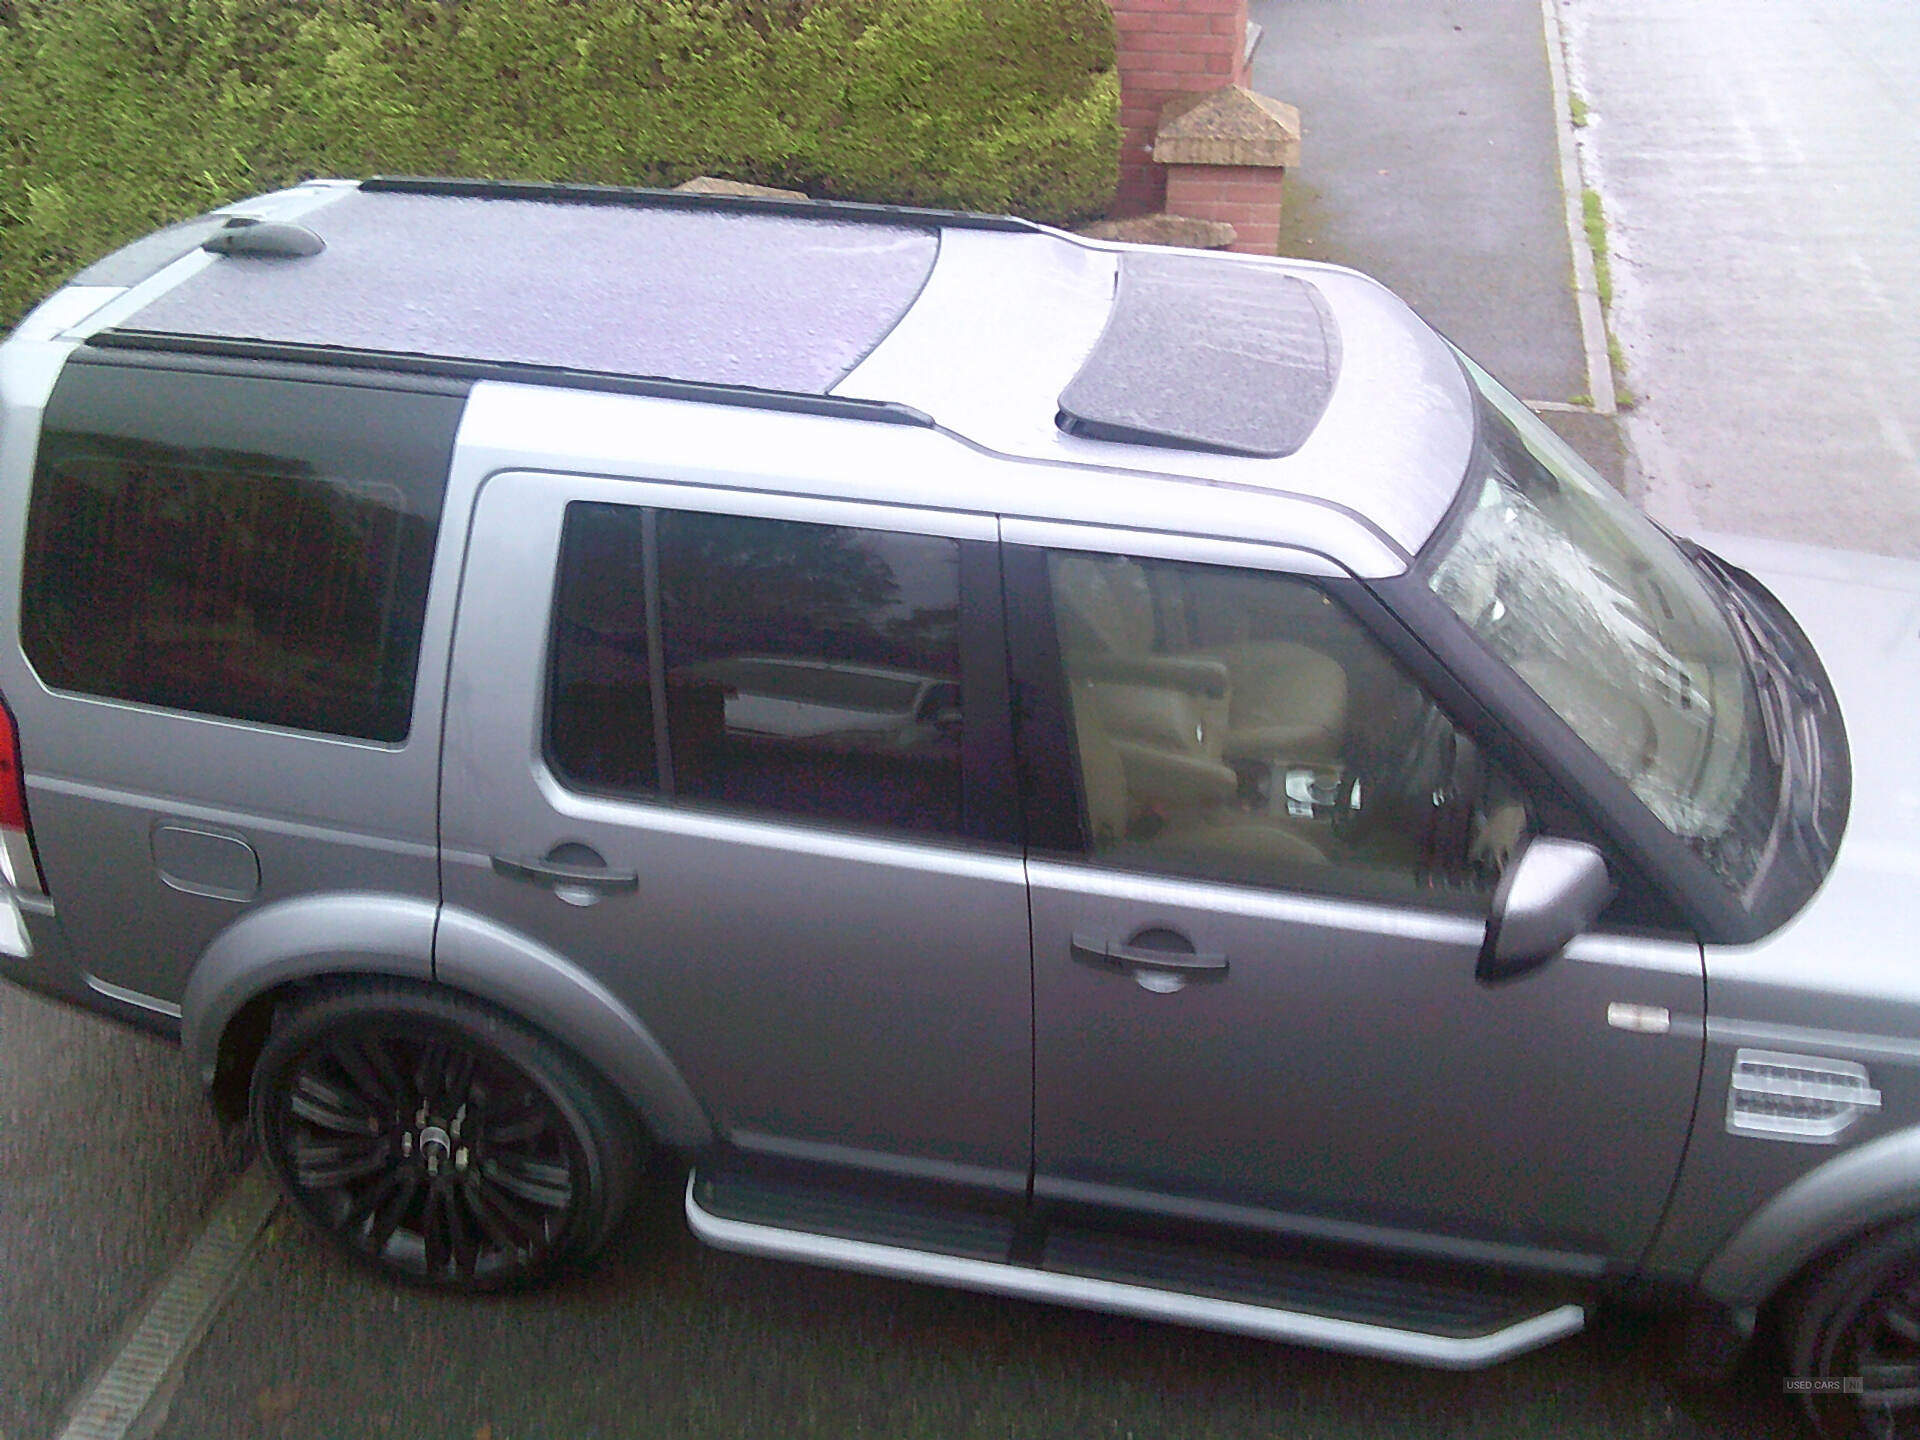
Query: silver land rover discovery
1126,777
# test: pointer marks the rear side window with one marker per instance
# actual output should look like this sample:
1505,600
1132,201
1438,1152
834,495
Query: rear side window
799,669
234,545
813,669
600,713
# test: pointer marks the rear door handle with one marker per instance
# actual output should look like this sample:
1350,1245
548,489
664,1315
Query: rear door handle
1091,951
559,877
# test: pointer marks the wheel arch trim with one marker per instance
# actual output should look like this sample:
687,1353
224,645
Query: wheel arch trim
404,937
1869,1185
549,991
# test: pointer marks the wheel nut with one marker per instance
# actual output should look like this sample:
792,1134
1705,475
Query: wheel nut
436,1145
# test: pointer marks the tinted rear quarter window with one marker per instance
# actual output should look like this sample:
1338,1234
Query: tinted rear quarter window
241,546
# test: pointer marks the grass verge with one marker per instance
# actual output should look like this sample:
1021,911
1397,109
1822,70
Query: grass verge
1594,216
1596,223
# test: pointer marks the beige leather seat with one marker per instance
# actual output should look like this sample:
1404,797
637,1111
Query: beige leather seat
1102,774
1194,712
1202,836
1155,731
1164,718
1287,702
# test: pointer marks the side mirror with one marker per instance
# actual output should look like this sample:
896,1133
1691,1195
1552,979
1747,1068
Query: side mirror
1553,891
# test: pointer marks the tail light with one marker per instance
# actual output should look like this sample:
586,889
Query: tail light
21,869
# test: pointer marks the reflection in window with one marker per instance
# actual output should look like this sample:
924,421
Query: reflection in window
229,584
1240,726
599,686
1605,620
813,669
245,546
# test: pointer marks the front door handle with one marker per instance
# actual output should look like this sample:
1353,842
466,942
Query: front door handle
1091,951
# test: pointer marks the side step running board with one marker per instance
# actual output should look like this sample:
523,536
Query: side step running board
1513,1335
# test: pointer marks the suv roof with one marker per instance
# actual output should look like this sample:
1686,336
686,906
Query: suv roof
1287,378
707,296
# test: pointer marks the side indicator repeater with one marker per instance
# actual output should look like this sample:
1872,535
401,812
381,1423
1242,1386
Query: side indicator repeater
1641,1019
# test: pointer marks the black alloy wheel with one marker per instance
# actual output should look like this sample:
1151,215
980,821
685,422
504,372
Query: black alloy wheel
1854,1347
438,1141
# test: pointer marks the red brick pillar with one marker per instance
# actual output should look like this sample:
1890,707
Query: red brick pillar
1167,48
1226,157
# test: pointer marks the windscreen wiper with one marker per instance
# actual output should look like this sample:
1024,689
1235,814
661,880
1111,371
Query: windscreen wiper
1731,581
1770,663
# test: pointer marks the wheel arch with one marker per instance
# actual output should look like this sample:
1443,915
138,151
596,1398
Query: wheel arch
1859,1190
227,1008
554,995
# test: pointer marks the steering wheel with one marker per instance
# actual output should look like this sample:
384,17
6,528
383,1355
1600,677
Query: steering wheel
1401,770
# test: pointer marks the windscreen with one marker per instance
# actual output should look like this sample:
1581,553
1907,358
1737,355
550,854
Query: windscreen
1601,615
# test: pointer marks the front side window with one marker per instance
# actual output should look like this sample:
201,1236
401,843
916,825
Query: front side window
1599,613
246,548
1242,726
800,669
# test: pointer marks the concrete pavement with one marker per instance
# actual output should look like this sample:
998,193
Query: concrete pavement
669,1338
109,1158
1431,160
1761,170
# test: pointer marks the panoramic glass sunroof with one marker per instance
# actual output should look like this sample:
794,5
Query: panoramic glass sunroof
713,297
1207,353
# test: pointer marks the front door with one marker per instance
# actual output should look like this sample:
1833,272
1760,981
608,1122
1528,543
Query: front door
1253,982
735,756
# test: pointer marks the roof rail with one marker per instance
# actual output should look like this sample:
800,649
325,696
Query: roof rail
560,194
843,407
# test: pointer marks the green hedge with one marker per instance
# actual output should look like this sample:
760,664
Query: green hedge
119,115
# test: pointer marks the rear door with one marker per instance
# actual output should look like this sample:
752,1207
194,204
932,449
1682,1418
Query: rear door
744,759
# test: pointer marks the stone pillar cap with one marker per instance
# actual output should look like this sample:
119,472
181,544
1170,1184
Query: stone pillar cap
1163,229
1228,126
714,185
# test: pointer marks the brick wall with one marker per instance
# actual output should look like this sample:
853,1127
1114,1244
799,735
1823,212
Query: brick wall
1168,47
1247,197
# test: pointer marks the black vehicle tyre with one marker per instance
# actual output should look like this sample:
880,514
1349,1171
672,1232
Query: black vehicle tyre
1858,1319
438,1140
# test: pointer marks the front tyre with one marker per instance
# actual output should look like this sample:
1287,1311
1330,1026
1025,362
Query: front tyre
1854,1331
438,1141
